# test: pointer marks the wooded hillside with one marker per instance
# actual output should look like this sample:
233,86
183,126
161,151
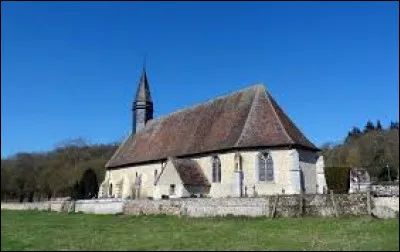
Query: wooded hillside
374,148
33,176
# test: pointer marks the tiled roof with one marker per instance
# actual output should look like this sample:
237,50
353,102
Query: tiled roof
190,171
246,118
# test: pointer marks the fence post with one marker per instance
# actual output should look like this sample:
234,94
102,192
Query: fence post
369,202
334,203
274,206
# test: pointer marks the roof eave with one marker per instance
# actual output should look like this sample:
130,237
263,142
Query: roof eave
288,146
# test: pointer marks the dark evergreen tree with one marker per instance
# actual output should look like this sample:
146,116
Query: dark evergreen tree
369,126
88,185
379,125
394,125
353,134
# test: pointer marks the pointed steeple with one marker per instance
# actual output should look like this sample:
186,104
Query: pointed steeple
142,106
143,90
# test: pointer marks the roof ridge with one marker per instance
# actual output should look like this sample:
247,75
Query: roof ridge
278,118
248,115
193,106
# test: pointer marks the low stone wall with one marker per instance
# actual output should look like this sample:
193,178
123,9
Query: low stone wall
227,206
283,206
137,207
269,206
99,206
391,202
385,190
41,206
385,207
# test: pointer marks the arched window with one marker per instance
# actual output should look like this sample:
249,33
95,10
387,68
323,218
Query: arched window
216,170
110,190
265,167
238,162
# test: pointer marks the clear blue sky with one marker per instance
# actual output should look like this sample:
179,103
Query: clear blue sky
70,69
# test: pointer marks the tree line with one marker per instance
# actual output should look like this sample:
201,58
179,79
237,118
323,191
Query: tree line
66,170
373,147
57,173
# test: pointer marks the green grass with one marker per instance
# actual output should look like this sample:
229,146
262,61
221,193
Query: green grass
30,230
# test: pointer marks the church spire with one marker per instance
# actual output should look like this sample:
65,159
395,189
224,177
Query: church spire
143,90
142,105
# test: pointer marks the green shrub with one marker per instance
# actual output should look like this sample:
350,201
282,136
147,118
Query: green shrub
338,179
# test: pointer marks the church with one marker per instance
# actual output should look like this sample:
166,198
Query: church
237,145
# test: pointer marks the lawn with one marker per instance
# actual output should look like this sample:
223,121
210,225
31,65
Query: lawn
31,230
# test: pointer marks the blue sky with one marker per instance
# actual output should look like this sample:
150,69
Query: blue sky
70,69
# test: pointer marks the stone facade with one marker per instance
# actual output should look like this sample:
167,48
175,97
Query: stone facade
293,170
143,189
169,177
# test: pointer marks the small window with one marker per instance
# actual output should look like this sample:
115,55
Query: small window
155,176
171,189
110,190
216,169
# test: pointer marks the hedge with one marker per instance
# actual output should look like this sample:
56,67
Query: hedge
338,179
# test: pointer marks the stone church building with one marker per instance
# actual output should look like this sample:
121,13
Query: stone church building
238,145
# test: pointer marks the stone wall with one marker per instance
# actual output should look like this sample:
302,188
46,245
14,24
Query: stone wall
391,202
386,207
385,190
54,205
323,205
283,206
138,207
42,206
99,206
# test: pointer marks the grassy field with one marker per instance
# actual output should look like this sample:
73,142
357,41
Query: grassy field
29,230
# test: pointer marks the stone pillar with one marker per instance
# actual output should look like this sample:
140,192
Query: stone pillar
294,174
238,184
321,182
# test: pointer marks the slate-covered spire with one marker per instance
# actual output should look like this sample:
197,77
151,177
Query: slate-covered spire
143,90
142,106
